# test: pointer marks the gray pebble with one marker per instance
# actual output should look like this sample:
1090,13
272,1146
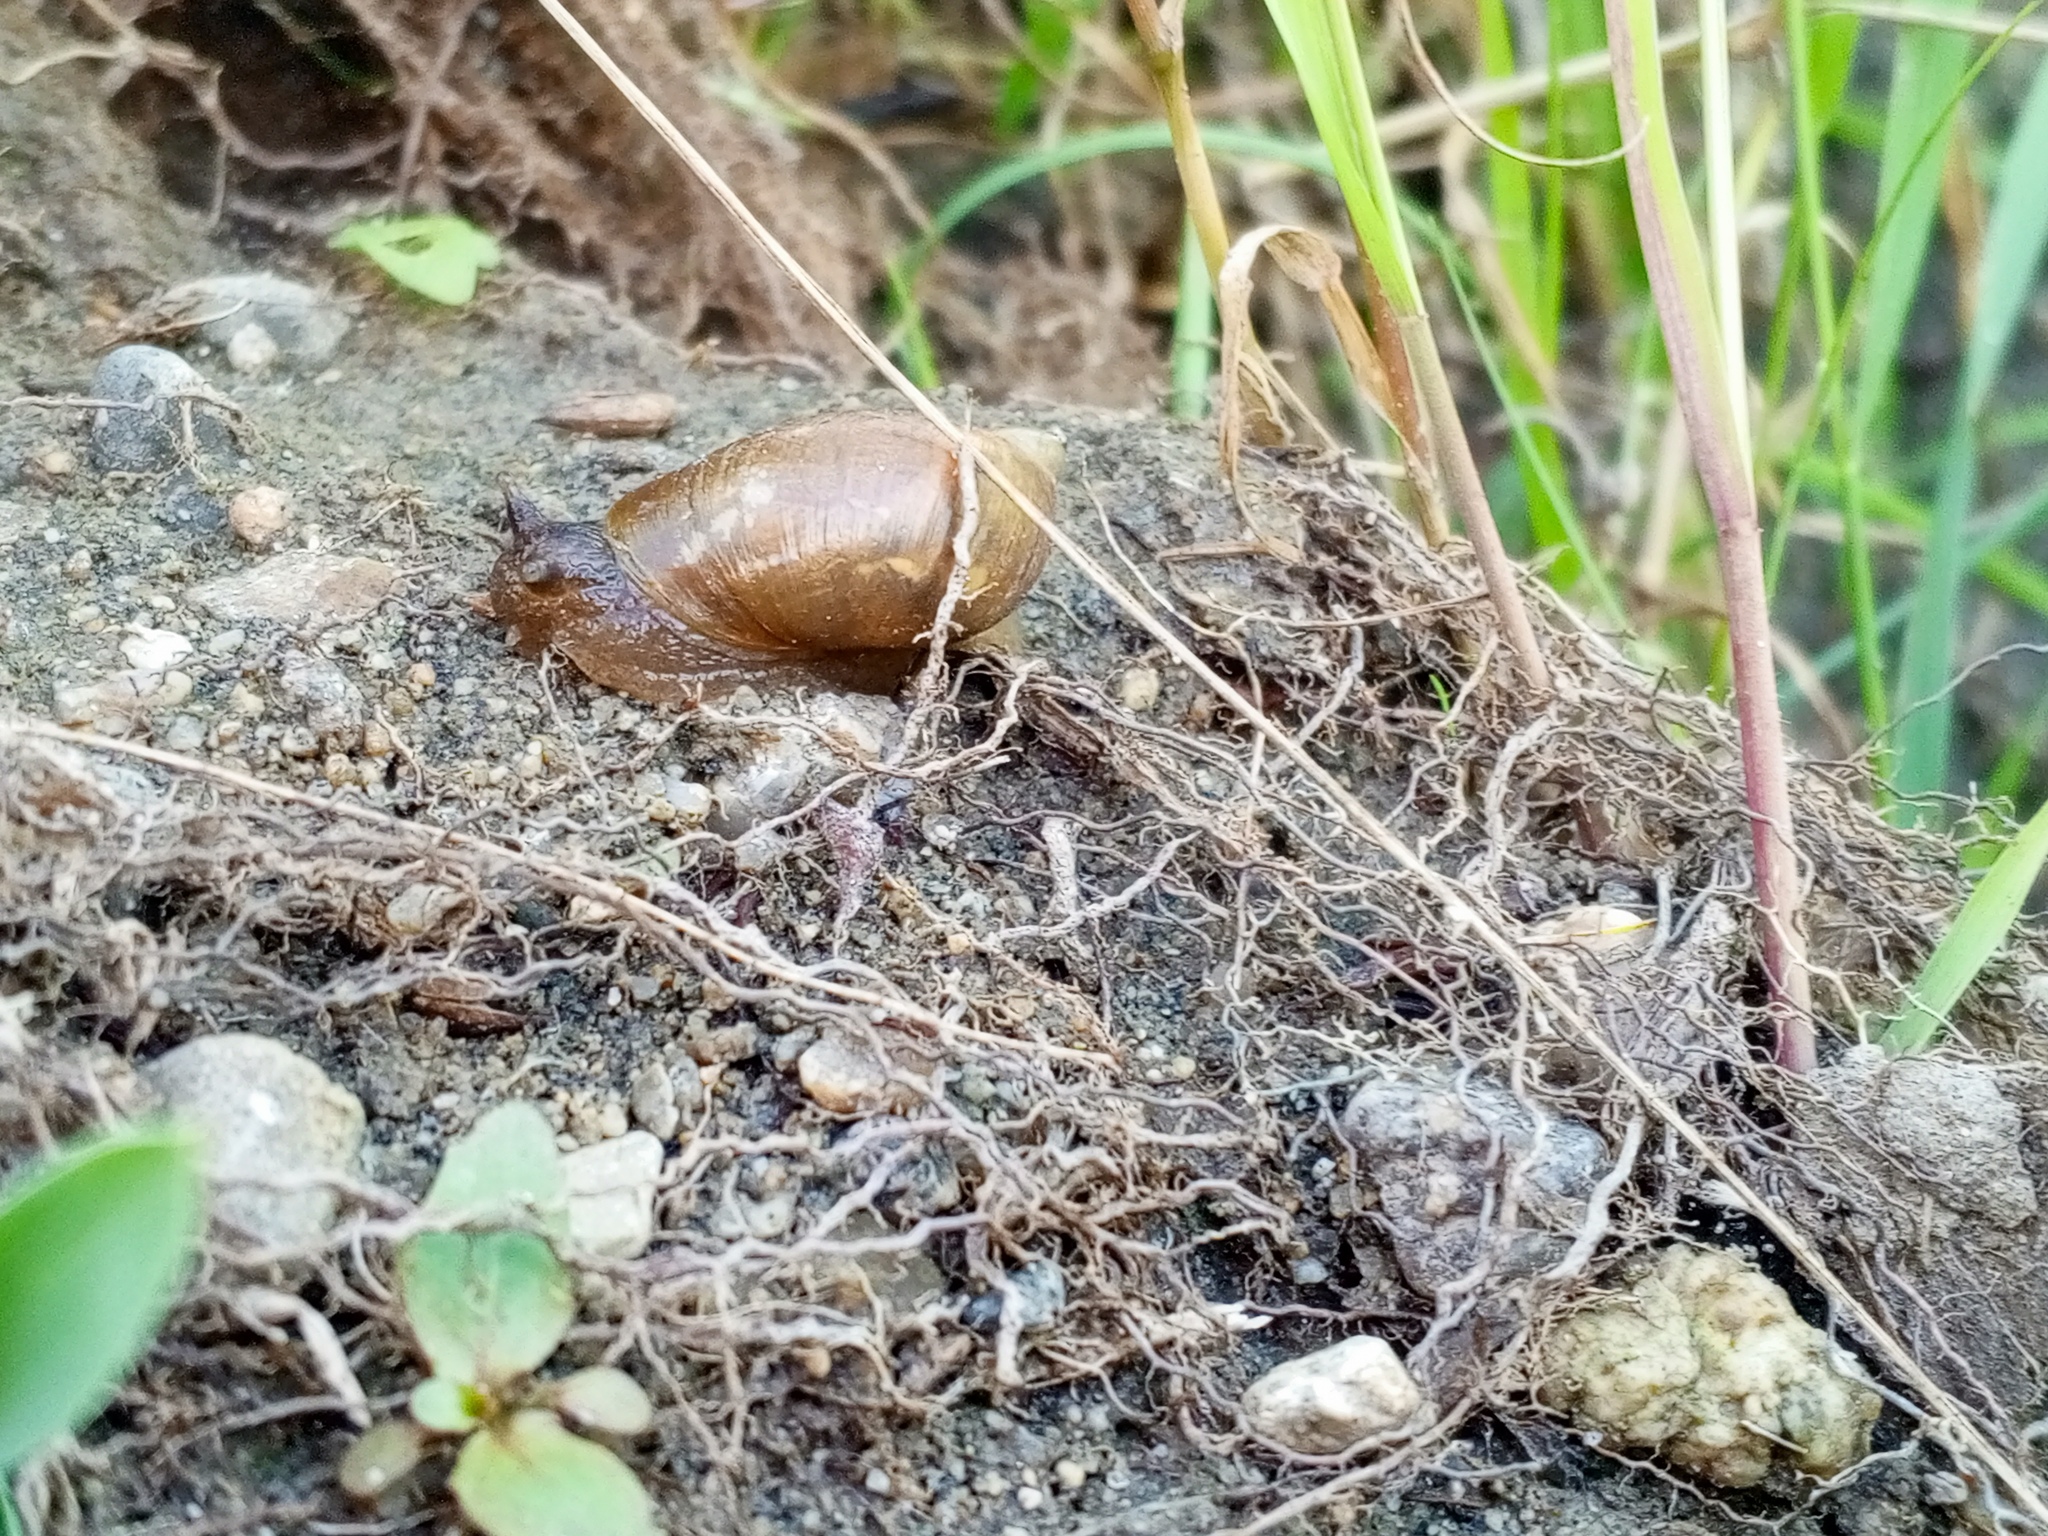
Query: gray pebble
152,439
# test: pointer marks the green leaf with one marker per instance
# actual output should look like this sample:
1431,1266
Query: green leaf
530,1477
381,1456
486,1307
93,1250
448,1407
1972,939
438,256
506,1167
603,1398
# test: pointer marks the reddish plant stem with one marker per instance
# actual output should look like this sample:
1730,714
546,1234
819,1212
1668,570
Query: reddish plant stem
1678,283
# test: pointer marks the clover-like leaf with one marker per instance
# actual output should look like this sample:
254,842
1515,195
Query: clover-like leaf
602,1398
486,1307
448,1407
437,256
383,1454
528,1476
505,1167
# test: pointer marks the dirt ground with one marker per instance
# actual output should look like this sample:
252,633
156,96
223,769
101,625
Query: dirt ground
1142,965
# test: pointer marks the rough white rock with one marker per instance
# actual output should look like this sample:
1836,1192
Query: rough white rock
267,1114
611,1195
1703,1359
1326,1402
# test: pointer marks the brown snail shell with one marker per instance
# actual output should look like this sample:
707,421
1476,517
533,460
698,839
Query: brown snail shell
815,551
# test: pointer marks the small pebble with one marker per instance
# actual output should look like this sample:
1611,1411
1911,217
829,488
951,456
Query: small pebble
259,515
1310,1272
266,1114
844,1076
1070,1473
1138,689
877,1482
225,644
420,674
611,1119
78,565
252,350
154,650
1030,1499
56,462
652,1099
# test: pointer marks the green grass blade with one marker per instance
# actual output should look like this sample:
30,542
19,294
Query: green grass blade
1194,330
1320,41
2015,237
1927,67
1979,929
1539,462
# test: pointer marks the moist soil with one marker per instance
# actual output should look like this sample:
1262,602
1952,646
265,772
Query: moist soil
1144,966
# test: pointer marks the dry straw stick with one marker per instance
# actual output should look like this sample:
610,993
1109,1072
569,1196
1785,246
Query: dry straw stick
1947,1420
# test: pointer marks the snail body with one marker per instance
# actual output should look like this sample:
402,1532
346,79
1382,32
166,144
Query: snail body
816,551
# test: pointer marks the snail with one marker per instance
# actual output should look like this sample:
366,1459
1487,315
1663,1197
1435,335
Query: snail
816,551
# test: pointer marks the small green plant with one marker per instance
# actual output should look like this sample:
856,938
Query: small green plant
437,256
93,1248
487,1305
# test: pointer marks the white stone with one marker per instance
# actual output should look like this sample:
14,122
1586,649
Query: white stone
154,650
252,349
611,1195
268,1115
1327,1402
